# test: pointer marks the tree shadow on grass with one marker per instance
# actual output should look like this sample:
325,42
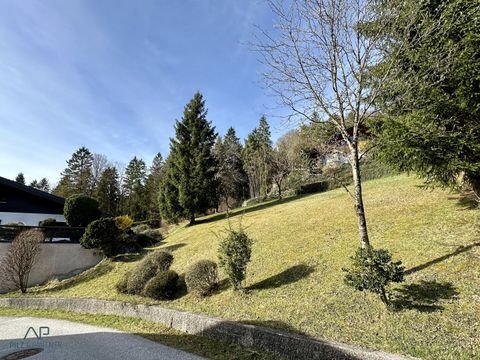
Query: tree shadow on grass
288,276
423,296
173,247
274,324
461,249
249,209
466,201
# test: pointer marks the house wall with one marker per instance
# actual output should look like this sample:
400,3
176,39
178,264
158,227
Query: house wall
57,261
29,219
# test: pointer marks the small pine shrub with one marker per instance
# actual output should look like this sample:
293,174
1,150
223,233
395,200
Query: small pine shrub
124,222
372,270
202,278
102,234
148,238
81,210
234,254
162,286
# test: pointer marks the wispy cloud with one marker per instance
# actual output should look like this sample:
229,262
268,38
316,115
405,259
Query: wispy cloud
113,76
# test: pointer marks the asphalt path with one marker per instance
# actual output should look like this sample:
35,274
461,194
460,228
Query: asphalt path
42,339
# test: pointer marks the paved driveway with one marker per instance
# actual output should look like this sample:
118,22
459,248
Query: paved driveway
59,339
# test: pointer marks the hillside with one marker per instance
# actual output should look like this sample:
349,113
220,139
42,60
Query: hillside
295,277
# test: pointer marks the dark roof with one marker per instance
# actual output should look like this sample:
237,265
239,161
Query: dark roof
32,191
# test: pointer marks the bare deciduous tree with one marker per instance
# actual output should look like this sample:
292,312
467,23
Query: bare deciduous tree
318,61
18,262
99,164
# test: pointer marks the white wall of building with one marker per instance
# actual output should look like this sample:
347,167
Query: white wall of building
29,219
57,261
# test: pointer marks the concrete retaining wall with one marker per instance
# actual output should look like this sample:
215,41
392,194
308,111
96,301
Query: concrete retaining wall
58,260
288,345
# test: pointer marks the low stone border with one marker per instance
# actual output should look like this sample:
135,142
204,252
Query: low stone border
285,344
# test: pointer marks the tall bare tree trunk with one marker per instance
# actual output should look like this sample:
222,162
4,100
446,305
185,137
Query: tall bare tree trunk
358,198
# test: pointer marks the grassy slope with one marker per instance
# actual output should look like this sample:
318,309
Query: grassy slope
296,278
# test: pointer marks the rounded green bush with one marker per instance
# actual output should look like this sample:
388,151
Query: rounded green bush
162,286
81,210
161,259
134,281
102,234
122,285
202,278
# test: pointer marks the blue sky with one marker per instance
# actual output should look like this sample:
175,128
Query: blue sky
114,75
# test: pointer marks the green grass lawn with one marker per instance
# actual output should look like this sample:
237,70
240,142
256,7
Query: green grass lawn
295,277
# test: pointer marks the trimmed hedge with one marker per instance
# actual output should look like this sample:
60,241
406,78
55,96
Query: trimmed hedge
202,278
81,210
162,286
102,234
154,263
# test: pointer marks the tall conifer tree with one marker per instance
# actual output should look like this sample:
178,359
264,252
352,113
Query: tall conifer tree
193,165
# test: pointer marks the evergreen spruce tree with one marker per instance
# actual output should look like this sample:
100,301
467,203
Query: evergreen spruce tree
430,84
107,192
152,187
168,197
193,164
20,179
77,176
34,184
257,157
233,181
44,185
134,189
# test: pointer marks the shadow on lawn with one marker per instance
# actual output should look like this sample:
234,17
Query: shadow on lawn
252,208
461,249
173,247
288,276
275,324
423,296
466,201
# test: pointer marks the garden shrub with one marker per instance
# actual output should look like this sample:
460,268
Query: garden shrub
81,210
234,253
140,228
372,270
312,188
48,222
122,285
124,222
162,286
146,236
161,259
134,281
201,278
102,234
17,264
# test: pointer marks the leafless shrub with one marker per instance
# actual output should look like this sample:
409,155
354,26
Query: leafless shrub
18,262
